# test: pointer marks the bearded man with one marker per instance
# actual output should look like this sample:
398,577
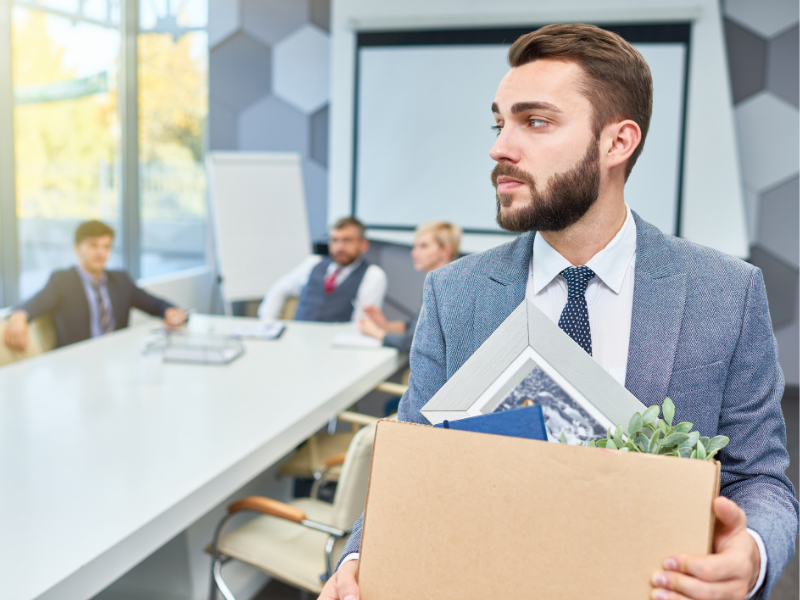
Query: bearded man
665,317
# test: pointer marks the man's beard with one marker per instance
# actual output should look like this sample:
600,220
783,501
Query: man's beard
568,196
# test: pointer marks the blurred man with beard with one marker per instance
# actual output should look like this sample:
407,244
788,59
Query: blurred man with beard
665,317
333,288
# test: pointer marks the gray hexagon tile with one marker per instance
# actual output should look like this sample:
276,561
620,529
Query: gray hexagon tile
320,14
272,20
781,281
319,136
315,179
221,127
239,71
769,151
783,66
778,219
300,68
747,57
224,18
751,207
768,18
272,125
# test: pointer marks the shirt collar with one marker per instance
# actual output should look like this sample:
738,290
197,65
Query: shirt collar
87,277
609,264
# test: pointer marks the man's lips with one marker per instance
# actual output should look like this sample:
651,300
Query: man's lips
507,184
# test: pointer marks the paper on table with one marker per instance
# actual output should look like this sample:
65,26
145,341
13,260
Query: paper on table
259,331
353,339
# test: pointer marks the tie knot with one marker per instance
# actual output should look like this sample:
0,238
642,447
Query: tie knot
577,280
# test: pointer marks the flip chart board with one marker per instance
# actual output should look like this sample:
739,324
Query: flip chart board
258,211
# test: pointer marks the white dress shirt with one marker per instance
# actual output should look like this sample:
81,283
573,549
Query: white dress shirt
609,300
371,290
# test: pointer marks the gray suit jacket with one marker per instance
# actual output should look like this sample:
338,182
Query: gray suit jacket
700,334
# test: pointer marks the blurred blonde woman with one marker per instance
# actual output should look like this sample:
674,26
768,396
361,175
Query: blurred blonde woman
435,245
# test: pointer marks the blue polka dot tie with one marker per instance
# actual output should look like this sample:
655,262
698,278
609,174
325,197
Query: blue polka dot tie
575,316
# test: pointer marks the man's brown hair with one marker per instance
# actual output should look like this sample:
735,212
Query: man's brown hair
92,229
347,222
617,81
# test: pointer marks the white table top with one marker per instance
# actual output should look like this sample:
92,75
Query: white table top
99,469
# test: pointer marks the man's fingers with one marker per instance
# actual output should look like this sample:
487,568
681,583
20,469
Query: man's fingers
714,567
346,583
670,585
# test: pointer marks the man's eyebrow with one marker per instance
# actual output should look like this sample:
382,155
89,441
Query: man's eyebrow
523,106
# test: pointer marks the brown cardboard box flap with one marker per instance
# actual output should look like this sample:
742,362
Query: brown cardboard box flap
453,514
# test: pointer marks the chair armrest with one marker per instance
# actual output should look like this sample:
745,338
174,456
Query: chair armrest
268,506
395,389
335,460
356,418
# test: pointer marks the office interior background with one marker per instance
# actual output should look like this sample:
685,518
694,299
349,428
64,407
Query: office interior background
116,103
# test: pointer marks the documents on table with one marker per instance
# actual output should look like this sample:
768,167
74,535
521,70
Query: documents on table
259,331
354,339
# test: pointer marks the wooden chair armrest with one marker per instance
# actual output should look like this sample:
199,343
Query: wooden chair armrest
395,389
268,506
335,460
356,418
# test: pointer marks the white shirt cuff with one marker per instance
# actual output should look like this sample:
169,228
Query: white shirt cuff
762,574
354,556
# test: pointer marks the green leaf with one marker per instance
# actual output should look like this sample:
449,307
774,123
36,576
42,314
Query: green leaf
618,441
601,443
647,431
591,444
693,454
642,442
684,452
691,440
673,439
701,450
705,440
669,410
662,426
654,442
718,442
711,455
682,427
610,445
562,438
650,415
635,424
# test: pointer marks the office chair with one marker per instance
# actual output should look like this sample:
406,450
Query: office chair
41,338
298,543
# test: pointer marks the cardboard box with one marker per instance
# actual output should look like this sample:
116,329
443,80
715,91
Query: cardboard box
461,515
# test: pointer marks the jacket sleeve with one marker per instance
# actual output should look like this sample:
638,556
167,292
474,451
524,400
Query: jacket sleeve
45,301
755,460
147,302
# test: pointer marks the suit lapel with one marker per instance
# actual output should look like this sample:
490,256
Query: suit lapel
659,297
507,278
118,307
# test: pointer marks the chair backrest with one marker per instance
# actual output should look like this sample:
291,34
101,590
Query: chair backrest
351,491
41,338
289,308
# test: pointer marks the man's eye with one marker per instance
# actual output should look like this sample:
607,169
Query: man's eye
497,129
538,123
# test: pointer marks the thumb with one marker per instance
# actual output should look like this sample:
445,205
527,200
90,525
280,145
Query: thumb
346,584
730,519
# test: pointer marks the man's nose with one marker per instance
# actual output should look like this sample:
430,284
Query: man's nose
505,148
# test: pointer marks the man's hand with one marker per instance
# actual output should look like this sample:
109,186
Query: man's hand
16,336
174,317
368,327
375,315
730,573
343,585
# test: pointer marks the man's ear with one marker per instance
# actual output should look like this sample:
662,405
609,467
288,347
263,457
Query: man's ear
625,137
364,245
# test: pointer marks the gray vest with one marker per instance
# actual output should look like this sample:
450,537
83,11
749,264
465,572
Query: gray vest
336,307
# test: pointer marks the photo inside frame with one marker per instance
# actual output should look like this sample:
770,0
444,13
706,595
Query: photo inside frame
530,380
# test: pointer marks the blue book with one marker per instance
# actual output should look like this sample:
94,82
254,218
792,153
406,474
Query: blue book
526,422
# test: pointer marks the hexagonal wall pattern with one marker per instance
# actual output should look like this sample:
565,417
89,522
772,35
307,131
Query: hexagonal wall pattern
300,69
783,66
221,127
781,282
320,14
315,179
272,20
778,219
768,145
239,71
224,18
319,136
748,52
272,125
765,17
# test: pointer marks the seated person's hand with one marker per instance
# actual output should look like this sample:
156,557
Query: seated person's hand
730,573
16,336
375,315
368,327
174,317
343,585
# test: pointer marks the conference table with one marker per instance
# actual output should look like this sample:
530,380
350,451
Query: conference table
104,458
